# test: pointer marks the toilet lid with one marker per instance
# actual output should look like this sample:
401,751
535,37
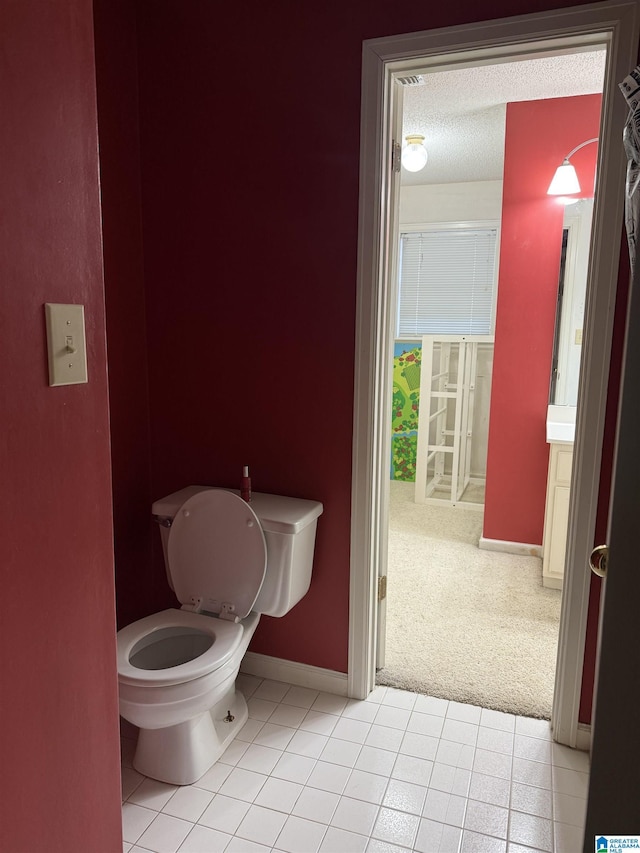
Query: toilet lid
217,551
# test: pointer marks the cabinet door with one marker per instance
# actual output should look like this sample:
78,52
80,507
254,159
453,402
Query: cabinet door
558,537
556,517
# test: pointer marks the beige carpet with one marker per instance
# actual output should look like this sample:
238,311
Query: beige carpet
464,624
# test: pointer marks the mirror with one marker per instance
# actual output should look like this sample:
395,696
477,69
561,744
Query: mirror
572,288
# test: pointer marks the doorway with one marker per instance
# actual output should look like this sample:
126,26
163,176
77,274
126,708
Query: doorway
467,615
561,29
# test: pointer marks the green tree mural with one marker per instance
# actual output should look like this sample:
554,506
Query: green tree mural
406,402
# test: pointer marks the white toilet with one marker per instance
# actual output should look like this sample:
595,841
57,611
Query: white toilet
227,561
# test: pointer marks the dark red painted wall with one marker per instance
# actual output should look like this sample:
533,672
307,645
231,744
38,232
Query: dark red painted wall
539,134
250,344
250,155
602,518
117,90
250,263
250,270
250,256
59,721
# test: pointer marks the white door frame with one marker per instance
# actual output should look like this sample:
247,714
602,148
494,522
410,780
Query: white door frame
616,23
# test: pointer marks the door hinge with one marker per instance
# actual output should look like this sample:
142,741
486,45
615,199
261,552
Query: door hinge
396,154
382,587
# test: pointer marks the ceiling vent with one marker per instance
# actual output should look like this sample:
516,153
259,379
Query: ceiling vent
413,80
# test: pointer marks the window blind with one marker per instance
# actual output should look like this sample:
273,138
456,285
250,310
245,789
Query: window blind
447,282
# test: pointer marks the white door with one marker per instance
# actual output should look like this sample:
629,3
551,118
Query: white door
390,265
616,23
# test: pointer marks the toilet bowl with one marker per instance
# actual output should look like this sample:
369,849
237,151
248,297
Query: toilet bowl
177,671
227,562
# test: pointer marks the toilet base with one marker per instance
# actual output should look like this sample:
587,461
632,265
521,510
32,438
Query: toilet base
182,754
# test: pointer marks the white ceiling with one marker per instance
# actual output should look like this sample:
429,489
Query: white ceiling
461,113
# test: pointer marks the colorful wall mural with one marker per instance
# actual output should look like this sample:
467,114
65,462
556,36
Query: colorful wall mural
406,396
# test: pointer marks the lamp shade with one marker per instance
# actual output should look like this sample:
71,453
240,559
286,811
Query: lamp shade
565,181
414,154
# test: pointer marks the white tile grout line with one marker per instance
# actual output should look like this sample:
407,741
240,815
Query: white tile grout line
396,708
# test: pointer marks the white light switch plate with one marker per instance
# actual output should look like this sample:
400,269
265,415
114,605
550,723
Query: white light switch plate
66,344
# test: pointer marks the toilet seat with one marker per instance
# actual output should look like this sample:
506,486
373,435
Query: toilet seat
225,638
217,554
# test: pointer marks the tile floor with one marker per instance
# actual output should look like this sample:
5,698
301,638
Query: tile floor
398,772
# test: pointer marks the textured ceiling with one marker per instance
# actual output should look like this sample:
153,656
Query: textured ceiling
461,113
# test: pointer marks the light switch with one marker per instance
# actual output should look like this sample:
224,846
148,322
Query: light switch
578,337
66,344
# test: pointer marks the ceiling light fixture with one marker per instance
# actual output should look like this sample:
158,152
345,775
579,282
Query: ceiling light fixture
414,154
565,181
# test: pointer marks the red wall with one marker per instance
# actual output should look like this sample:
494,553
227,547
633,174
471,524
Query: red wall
117,91
59,726
249,127
539,134
250,272
250,269
608,443
250,292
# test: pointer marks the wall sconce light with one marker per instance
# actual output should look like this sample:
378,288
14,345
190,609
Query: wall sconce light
414,154
565,181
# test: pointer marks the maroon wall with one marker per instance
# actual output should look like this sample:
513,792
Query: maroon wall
602,518
539,134
249,133
250,292
137,591
250,248
59,725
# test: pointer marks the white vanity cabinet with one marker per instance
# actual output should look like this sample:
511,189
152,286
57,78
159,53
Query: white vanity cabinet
560,434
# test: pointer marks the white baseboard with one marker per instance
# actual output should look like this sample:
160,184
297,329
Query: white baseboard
291,672
522,549
583,740
330,681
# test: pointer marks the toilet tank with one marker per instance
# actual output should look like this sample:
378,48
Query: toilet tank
289,526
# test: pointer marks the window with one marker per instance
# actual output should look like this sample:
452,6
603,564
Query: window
447,282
